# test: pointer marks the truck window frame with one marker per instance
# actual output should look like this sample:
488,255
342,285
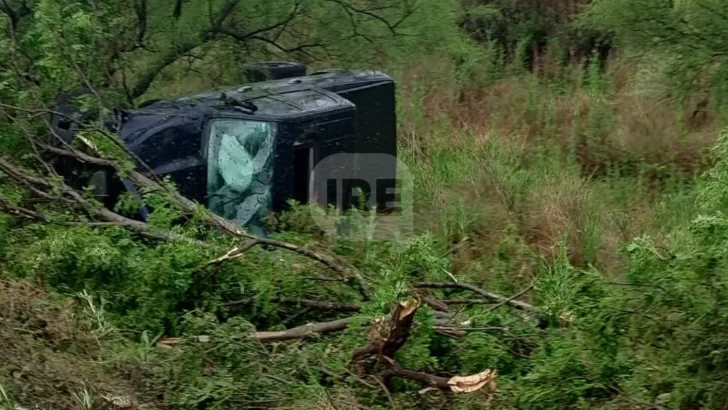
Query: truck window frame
207,156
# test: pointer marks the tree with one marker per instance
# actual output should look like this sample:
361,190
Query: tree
685,38
126,46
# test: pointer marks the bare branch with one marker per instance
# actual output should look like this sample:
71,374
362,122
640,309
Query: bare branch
511,299
21,212
148,78
453,384
420,377
302,332
97,212
300,48
172,56
235,252
316,304
488,295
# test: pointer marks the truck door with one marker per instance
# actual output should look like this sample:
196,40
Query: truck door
309,142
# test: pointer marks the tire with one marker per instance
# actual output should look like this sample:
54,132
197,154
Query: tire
273,70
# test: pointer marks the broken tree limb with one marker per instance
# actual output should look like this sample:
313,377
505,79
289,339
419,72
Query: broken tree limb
391,332
348,274
21,212
233,253
467,301
436,305
488,295
98,212
511,299
456,247
316,304
302,332
420,377
456,384
329,262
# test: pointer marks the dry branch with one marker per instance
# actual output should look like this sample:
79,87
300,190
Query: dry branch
466,301
511,299
391,332
488,295
457,384
316,304
231,254
302,332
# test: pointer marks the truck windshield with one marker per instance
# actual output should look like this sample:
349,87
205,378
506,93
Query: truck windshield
240,170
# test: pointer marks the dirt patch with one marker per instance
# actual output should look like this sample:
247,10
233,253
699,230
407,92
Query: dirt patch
50,356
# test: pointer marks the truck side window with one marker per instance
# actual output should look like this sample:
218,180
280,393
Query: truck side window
240,169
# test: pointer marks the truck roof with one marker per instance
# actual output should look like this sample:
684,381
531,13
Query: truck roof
276,99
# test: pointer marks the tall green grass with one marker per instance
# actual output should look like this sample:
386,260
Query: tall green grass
524,164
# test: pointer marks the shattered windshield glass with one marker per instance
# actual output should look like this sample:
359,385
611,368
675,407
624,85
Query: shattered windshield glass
240,170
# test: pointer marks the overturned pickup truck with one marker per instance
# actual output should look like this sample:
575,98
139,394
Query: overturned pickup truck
246,151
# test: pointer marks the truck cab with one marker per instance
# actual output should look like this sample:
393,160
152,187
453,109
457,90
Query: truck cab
244,152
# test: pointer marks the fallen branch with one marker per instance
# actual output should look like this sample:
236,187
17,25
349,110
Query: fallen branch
511,299
331,263
488,295
21,212
436,305
302,332
231,254
349,275
317,304
97,212
456,247
457,384
467,301
391,332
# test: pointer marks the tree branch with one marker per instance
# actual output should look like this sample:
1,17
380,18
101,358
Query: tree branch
453,384
488,295
511,299
148,78
302,332
203,37
348,274
97,212
316,304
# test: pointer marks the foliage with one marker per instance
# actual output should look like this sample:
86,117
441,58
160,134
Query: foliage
522,180
684,36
